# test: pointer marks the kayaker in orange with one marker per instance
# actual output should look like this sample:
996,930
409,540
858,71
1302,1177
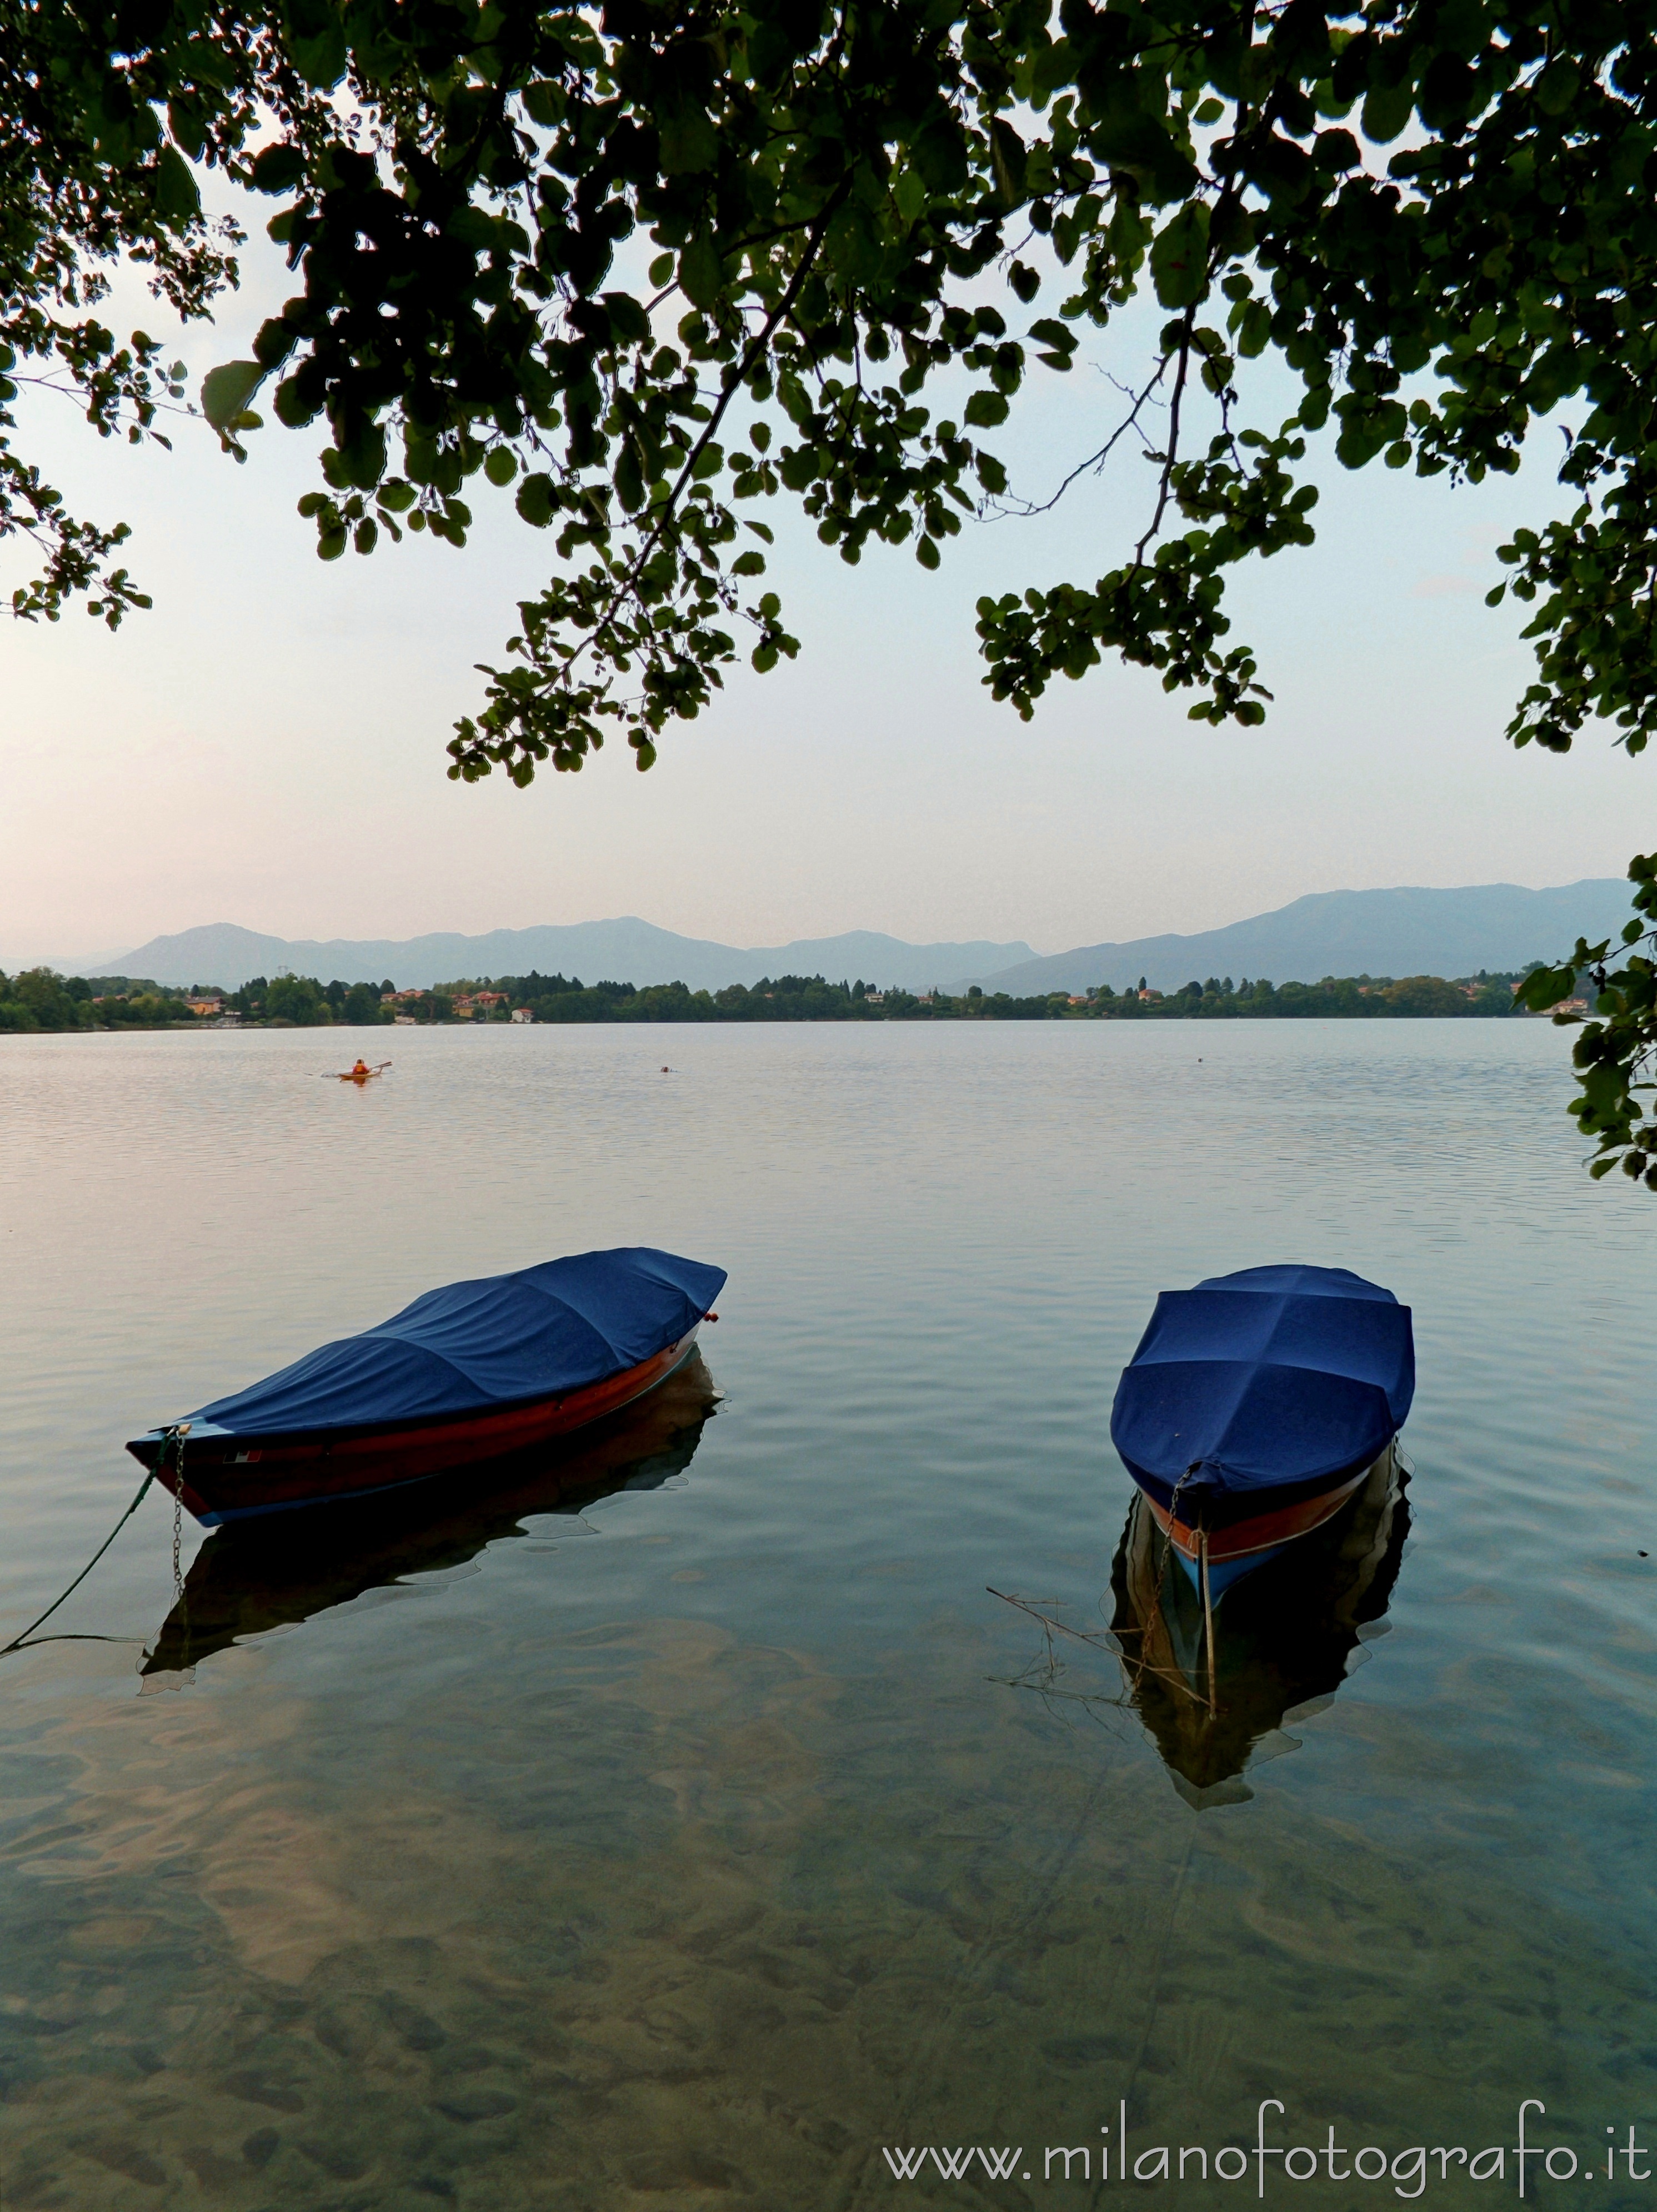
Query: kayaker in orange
361,1072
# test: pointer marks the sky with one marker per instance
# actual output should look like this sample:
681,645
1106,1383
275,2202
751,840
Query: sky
266,746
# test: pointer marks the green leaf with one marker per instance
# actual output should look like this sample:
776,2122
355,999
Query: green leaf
226,392
939,152
1129,139
1178,257
278,169
661,271
628,318
545,103
177,197
700,275
501,465
927,553
1009,160
984,410
184,121
689,142
1558,86
1252,324
320,60
1386,110
535,500
295,404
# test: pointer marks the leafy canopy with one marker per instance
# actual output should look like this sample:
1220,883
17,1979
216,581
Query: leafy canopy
650,268
835,205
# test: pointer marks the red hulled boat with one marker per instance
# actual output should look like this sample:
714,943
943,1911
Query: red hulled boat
469,1372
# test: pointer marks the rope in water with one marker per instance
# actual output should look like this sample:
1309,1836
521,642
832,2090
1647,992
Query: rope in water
174,1444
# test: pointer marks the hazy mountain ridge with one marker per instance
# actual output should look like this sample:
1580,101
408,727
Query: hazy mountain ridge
1403,931
1410,931
623,951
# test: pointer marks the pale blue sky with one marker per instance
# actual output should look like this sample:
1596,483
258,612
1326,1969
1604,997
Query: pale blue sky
266,746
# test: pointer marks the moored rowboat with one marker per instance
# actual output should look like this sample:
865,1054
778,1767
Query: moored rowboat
469,1372
1257,1404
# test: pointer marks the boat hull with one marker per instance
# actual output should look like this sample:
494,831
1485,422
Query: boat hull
1240,1543
219,1477
1209,1691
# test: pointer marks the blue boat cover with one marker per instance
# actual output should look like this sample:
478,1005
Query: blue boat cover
499,1341
1273,1376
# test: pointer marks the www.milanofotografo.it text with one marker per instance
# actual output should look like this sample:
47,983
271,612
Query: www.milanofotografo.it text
1406,2171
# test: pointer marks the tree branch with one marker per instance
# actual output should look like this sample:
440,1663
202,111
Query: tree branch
735,377
1188,324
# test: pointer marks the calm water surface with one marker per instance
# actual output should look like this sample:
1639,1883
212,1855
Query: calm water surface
680,1824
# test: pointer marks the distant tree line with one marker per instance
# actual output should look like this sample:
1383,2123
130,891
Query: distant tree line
811,998
1363,998
39,1000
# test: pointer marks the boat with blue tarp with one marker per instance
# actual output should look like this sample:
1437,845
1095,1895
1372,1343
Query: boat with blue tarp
259,1576
1255,1406
472,1371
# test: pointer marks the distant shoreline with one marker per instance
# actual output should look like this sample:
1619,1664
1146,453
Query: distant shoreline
39,1001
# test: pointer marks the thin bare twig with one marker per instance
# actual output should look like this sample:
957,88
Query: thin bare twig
1100,1642
1187,327
1096,460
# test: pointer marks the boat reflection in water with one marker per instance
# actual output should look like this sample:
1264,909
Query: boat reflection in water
1282,1642
253,1577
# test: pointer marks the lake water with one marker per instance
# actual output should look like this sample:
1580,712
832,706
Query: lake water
684,1825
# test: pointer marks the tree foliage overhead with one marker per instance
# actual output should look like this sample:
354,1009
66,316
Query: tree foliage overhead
656,266
649,268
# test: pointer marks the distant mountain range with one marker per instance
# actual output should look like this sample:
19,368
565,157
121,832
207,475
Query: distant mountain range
626,951
1407,932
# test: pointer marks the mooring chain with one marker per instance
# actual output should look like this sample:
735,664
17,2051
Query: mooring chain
1174,1507
175,1437
172,1439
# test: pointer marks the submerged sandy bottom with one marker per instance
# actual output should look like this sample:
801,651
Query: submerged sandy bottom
706,1922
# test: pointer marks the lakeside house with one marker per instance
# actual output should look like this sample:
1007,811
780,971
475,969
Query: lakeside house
522,1014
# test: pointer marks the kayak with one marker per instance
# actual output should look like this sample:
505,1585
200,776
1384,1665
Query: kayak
472,1371
1256,1404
